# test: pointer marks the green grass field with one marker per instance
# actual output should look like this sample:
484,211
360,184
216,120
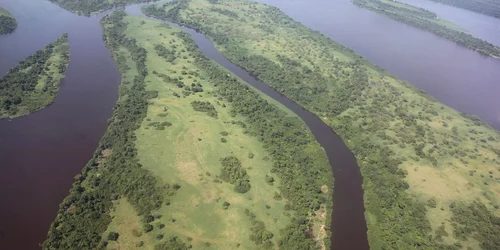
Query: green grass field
188,153
425,165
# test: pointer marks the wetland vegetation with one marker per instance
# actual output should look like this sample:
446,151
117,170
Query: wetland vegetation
34,82
431,174
429,21
7,22
193,157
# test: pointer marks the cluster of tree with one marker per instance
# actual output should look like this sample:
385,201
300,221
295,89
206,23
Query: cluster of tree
422,20
259,235
85,213
162,51
206,107
87,7
301,165
234,173
487,7
225,12
18,93
7,22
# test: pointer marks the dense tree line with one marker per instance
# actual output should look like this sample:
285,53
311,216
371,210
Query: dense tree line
87,7
368,128
7,22
18,88
85,213
423,20
486,7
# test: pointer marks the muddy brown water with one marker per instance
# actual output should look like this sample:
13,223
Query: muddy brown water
40,153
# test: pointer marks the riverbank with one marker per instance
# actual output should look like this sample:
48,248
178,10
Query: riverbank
34,83
207,123
400,136
429,21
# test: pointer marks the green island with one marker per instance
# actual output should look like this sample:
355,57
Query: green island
486,7
33,84
429,21
193,157
89,7
7,22
431,174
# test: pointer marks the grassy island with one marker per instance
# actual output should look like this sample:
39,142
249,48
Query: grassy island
7,22
34,82
193,157
431,174
429,21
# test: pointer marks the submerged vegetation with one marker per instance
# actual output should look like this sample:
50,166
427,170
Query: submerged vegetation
431,174
486,7
179,186
7,22
429,21
33,83
88,7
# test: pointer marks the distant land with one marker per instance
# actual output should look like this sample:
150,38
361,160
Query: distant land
486,7
429,21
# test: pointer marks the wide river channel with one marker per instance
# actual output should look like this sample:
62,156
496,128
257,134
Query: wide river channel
40,153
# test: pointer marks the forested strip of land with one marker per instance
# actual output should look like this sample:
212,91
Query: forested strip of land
486,7
7,22
34,82
88,7
85,213
426,20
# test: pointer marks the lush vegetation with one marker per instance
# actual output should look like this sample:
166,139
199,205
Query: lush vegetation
417,156
33,83
486,7
429,21
7,22
179,186
87,7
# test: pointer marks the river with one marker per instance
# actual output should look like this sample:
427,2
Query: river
41,152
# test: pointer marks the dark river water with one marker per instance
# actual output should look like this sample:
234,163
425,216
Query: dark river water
40,153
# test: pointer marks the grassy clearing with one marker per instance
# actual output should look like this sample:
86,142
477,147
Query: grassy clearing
420,159
186,151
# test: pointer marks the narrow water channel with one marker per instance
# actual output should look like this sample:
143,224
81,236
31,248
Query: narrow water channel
348,219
